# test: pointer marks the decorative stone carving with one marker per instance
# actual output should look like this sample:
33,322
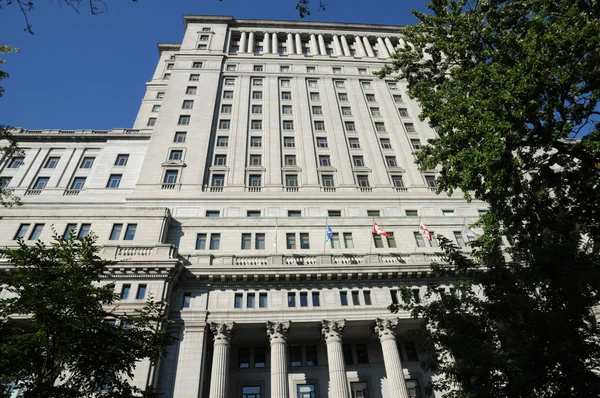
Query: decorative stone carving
332,328
278,331
386,327
222,330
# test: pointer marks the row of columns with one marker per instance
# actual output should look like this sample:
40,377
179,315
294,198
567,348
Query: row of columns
317,45
332,332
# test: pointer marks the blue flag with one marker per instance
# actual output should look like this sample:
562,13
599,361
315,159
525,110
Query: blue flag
328,234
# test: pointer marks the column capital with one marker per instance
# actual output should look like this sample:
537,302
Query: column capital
332,328
223,331
386,327
278,331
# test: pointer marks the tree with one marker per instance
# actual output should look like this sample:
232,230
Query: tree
62,335
512,89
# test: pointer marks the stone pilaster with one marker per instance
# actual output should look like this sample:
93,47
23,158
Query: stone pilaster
274,43
220,367
345,46
389,45
314,47
244,42
278,332
298,44
386,330
338,382
337,47
322,47
290,44
250,42
368,47
266,44
382,48
359,47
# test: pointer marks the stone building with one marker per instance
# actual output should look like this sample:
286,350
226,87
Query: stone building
252,139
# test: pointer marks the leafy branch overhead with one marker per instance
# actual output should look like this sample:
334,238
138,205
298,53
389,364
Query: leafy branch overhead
64,335
512,89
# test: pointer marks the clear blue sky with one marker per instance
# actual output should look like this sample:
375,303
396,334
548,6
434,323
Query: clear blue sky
80,71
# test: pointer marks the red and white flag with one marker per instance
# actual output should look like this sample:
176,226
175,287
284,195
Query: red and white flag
378,230
425,232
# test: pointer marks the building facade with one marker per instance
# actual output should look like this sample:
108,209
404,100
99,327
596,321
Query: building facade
252,139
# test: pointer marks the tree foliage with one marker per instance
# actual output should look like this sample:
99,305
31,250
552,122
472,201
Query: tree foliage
512,89
57,338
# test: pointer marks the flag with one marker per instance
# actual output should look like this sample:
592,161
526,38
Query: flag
328,234
425,231
378,230
275,241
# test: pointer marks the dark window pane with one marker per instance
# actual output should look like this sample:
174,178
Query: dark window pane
361,353
243,357
311,355
347,349
260,357
296,355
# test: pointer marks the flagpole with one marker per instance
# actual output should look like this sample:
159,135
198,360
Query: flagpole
372,226
325,243
275,235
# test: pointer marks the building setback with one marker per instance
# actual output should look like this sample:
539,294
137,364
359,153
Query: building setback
254,136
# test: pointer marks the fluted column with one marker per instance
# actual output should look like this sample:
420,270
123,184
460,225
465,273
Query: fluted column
359,47
346,47
389,45
368,47
250,42
244,42
337,48
290,44
266,46
314,49
298,44
278,332
386,329
275,44
382,49
338,382
220,366
322,47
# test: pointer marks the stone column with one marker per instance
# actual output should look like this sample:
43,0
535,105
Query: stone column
314,49
346,47
337,48
298,44
338,382
290,44
244,42
368,47
250,42
386,329
278,333
220,366
322,47
274,44
266,46
359,47
383,52
389,45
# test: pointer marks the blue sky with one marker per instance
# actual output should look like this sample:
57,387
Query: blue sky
80,71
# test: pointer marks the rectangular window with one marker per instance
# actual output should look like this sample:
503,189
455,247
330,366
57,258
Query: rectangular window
115,233
347,352
255,160
259,241
253,213
229,82
316,302
310,69
291,180
344,298
340,84
121,160
160,95
370,97
360,389
187,300
251,391
411,351
284,68
394,296
194,77
187,104
319,126
246,241
419,239
262,300
411,213
385,143
354,143
403,112
176,154
322,142
286,95
52,162
257,68
78,183
213,213
363,181
290,240
218,180
398,99
327,180
346,111
390,161
285,83
373,213
256,142
192,90
151,122
125,289
257,109
87,162
391,241
41,183
378,241
230,68
222,141
291,299
460,241
21,231
315,97
200,241
311,355
430,180
324,161
350,126
226,94
348,241
167,76
334,213
380,127
215,240
220,160
303,299
448,213
289,142
198,65
306,391
358,161
141,292
257,95
224,124
250,297
114,181
254,180
312,83
256,124
237,303
416,144
367,297
260,358
337,70
335,240
295,355
304,241
184,120
317,110
355,297
410,128
180,137
343,97
288,125
366,85
156,108
362,356
83,231
130,232
286,109
397,181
